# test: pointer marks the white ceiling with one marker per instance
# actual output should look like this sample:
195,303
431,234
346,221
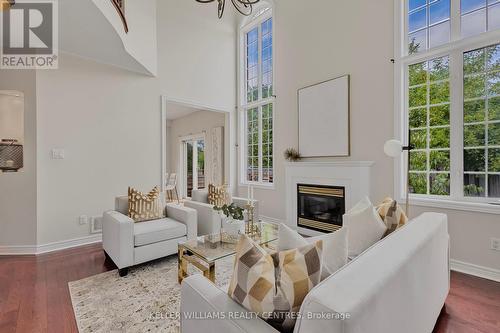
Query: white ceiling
175,111
93,38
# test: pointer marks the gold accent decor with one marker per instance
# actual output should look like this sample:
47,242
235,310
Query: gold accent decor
144,207
208,269
318,225
217,195
251,227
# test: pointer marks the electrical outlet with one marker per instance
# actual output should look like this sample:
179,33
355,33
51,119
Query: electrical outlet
83,220
58,154
95,224
495,244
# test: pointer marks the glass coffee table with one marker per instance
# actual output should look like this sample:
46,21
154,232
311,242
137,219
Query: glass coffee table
204,251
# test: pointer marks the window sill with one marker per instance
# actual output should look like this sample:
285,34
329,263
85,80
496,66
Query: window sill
479,207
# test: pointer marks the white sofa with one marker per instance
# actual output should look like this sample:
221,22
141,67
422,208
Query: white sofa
398,285
208,218
128,243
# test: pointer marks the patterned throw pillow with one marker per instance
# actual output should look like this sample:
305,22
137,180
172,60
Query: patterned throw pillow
393,215
144,207
274,285
217,195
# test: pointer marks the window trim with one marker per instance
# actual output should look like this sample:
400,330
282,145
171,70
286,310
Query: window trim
455,49
243,105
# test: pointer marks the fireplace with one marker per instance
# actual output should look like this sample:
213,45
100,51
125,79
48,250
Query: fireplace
320,208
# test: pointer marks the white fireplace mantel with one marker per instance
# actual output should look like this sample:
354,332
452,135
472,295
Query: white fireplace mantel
355,176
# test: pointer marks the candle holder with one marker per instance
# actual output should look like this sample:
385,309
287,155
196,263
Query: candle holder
251,227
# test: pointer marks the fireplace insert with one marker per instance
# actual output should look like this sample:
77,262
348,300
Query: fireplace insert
320,207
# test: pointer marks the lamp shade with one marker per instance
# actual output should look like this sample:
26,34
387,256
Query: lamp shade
393,148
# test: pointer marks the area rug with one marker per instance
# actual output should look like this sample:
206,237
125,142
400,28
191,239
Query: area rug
146,300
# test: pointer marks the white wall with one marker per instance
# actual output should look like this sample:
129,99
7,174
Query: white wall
18,190
109,124
197,54
108,121
328,38
195,123
470,234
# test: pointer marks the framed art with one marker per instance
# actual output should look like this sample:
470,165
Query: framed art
324,120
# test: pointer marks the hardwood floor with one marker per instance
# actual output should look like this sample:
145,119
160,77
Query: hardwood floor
472,306
34,295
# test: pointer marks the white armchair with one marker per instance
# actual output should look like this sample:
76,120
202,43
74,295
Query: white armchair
128,243
208,219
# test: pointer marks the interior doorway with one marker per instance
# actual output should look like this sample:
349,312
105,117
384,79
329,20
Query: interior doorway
193,175
198,145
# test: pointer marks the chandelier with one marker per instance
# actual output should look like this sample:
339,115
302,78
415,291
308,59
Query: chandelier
245,7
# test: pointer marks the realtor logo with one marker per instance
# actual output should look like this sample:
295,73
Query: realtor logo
29,35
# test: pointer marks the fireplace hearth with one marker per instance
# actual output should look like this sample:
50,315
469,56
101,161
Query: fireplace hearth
320,207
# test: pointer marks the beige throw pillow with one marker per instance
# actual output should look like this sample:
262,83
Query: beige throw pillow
393,215
274,286
217,195
145,207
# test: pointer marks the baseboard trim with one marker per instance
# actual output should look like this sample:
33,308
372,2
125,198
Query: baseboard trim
475,270
62,245
49,247
17,250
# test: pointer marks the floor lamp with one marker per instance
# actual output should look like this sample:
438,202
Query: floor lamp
394,148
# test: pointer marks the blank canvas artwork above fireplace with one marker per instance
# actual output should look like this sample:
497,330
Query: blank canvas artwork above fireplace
324,119
352,177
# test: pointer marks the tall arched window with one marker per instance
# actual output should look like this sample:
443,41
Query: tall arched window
257,98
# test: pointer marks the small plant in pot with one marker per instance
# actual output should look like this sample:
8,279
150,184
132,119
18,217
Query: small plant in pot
232,218
292,155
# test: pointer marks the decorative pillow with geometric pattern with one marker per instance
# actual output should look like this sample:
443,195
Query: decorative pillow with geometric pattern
274,285
393,215
218,195
145,207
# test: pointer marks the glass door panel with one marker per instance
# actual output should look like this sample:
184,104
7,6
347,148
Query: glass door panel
193,165
201,164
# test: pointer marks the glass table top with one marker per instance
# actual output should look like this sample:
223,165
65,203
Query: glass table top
217,246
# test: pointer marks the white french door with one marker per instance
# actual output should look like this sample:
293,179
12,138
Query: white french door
192,164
